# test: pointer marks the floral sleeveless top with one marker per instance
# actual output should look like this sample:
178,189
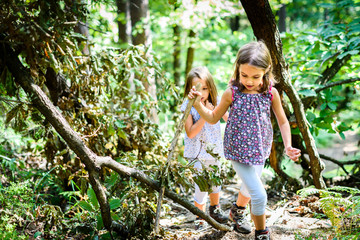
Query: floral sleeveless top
248,133
209,136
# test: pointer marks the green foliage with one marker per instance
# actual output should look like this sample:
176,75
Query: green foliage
341,205
16,208
314,54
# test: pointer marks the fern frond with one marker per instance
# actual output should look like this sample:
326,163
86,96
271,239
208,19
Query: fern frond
308,191
352,191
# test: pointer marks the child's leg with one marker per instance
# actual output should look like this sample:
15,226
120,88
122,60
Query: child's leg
259,221
214,198
199,196
214,208
255,188
200,206
215,195
244,196
242,201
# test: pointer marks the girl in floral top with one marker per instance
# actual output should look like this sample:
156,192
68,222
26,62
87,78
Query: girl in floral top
248,134
199,135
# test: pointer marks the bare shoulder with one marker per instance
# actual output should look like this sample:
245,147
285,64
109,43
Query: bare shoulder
274,91
227,95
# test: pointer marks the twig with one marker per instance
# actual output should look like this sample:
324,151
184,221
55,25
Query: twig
341,164
93,134
170,156
10,100
329,85
276,215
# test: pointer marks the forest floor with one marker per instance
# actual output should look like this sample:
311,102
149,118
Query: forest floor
288,218
288,215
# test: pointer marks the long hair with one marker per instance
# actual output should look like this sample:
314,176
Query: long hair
204,74
255,54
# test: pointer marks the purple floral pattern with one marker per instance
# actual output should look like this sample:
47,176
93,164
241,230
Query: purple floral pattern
248,134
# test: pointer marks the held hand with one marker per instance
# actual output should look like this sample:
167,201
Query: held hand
193,93
293,153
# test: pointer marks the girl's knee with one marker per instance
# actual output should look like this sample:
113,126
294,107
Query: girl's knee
258,203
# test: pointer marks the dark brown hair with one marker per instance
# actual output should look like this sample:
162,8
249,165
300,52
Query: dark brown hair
255,54
204,74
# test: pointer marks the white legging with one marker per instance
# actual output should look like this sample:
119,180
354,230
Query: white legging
252,186
201,197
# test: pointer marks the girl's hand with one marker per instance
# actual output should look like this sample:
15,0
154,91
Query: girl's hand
293,153
208,105
193,93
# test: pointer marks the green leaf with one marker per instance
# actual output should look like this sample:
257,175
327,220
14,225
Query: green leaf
337,98
308,93
323,106
332,106
324,125
121,134
92,197
114,203
310,116
342,135
100,224
120,123
12,113
86,206
110,182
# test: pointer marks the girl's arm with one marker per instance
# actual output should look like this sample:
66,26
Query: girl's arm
214,116
191,128
284,126
226,116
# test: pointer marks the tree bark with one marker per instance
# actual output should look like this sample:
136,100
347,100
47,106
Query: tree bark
92,162
331,71
176,55
282,18
130,172
139,11
124,24
235,23
263,24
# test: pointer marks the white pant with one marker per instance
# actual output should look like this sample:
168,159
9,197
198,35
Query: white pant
200,197
252,186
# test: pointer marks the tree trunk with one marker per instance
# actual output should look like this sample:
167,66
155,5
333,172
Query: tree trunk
139,12
92,162
235,23
176,54
190,52
282,18
82,28
124,23
263,24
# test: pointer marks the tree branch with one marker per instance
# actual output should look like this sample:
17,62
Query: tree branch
341,164
331,71
333,84
142,177
92,162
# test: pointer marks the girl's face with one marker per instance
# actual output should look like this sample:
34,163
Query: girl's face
205,91
251,77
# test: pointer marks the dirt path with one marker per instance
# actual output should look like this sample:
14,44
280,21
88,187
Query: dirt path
283,219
